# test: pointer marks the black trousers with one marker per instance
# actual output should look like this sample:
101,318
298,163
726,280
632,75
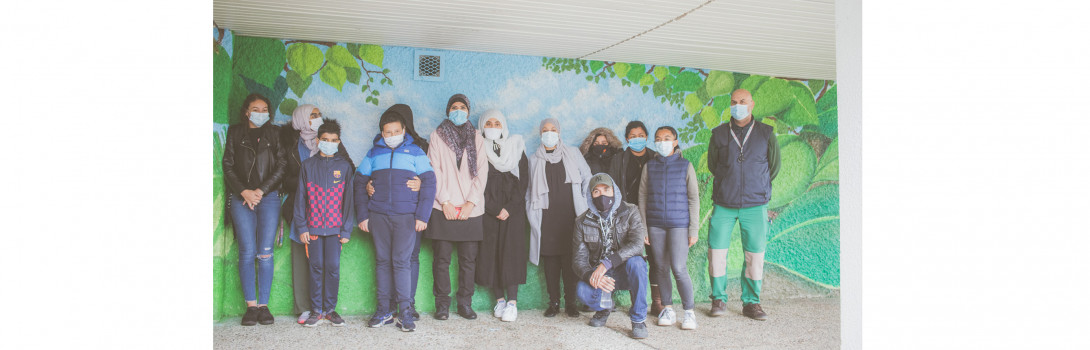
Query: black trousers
511,290
440,268
555,267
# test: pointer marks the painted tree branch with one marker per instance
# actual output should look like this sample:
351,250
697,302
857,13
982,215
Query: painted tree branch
824,88
326,43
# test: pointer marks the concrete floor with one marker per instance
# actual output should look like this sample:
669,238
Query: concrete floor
799,323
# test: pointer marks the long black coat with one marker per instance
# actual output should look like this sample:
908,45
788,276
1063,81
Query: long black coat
503,252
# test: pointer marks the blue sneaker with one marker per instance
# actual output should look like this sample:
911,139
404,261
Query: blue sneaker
405,321
379,320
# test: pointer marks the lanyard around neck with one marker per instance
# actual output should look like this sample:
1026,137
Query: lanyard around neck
741,144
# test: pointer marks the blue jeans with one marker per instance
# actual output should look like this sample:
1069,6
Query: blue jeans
631,276
394,237
255,230
325,273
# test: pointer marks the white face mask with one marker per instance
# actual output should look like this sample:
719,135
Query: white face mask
259,118
550,138
739,111
493,133
315,123
394,141
665,148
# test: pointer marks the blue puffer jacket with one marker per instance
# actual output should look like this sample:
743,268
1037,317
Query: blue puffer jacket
667,192
388,169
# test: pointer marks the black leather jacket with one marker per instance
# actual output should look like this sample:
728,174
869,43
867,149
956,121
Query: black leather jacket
241,158
289,141
588,239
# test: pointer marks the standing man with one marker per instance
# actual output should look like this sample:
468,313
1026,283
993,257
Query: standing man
744,158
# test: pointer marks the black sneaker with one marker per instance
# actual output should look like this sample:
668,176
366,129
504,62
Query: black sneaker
405,321
264,316
334,318
554,308
571,310
466,312
416,315
599,318
639,330
312,321
379,320
442,312
250,318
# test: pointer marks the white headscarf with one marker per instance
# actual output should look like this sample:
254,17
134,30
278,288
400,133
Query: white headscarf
300,120
511,146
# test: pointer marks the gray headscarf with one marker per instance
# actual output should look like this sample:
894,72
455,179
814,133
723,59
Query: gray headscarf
576,172
300,120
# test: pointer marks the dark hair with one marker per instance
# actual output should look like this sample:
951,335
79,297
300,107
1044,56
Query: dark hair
246,107
632,125
329,126
672,130
388,118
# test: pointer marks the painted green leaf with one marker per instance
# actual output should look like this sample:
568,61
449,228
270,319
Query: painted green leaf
710,116
721,102
596,65
353,74
297,83
797,165
805,237
288,106
829,166
815,85
340,56
334,76
354,49
774,96
260,59
373,54
221,86
304,59
275,94
621,69
704,135
719,83
828,100
659,88
235,99
753,82
674,69
647,79
828,122
772,122
687,81
693,104
636,72
660,72
802,110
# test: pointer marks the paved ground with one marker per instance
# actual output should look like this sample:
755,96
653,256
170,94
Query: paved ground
800,323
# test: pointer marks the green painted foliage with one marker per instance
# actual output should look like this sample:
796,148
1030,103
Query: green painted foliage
797,165
829,166
334,76
753,82
304,59
801,109
693,103
596,65
815,85
288,106
298,83
719,83
805,236
221,85
686,81
340,56
353,74
372,54
275,94
260,59
772,97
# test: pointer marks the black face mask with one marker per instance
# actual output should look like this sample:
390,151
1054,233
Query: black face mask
598,150
603,203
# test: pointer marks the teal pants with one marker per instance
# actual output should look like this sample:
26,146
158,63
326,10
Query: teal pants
754,221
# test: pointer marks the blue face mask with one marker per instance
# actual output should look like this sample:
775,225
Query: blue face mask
458,117
550,138
329,148
739,111
665,148
259,118
637,144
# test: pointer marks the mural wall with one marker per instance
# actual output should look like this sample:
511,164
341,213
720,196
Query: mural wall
355,83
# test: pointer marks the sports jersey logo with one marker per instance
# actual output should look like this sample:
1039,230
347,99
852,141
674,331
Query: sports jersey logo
336,174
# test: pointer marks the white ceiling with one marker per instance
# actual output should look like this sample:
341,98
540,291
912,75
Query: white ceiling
786,38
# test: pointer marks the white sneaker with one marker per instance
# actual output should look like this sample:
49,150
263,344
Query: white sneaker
667,317
510,312
303,317
498,310
690,320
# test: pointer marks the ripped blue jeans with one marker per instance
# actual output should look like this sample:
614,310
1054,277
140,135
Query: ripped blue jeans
255,230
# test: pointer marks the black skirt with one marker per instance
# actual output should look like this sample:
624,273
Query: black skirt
439,228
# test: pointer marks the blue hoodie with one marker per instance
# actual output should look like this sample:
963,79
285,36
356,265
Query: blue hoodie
322,206
388,169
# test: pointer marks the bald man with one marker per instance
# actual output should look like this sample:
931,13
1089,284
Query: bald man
744,158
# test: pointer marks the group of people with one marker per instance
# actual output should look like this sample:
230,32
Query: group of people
592,212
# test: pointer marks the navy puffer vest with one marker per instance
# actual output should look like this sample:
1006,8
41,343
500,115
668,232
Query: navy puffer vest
667,192
745,183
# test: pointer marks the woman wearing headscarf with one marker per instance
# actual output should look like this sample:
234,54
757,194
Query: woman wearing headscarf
555,196
599,148
253,166
503,250
461,172
300,142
